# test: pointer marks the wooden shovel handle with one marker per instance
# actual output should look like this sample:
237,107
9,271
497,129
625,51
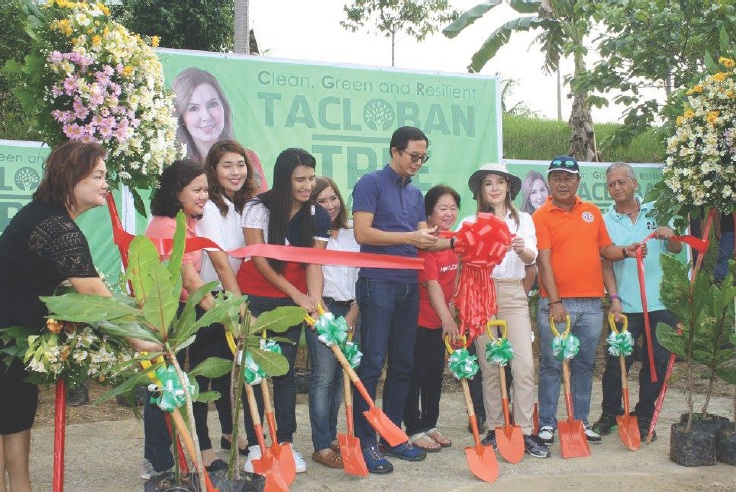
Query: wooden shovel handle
353,376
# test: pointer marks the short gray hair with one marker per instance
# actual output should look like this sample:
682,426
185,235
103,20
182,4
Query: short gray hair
622,165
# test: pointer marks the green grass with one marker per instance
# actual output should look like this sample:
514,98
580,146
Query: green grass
539,139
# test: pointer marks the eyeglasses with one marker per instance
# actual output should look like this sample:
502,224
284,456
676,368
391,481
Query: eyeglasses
416,157
566,163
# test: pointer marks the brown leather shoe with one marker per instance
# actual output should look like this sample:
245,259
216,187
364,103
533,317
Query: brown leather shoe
330,459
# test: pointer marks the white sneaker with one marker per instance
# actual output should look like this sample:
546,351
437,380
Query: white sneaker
547,434
299,463
254,453
147,470
592,436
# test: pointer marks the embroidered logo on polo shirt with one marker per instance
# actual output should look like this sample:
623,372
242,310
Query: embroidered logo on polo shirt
587,217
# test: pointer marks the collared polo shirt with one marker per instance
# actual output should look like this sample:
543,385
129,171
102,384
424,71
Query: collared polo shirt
624,231
574,239
397,206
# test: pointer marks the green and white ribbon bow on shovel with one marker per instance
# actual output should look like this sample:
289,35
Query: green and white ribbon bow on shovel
253,373
620,342
268,345
331,331
565,345
499,351
352,354
462,364
170,390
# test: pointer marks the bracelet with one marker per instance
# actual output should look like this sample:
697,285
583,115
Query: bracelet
623,252
558,301
452,242
613,297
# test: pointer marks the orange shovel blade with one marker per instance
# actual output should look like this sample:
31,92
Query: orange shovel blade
269,468
482,462
573,443
628,431
352,456
510,442
285,461
383,425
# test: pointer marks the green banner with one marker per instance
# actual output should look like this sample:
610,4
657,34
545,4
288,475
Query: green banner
345,115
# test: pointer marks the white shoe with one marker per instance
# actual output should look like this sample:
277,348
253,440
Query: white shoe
547,435
299,463
254,453
147,470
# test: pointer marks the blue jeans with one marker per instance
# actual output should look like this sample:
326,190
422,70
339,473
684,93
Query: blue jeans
648,391
388,316
284,387
325,387
586,322
725,253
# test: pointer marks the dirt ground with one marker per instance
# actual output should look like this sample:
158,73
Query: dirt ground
105,442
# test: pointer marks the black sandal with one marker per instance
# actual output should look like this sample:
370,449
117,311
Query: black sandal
225,444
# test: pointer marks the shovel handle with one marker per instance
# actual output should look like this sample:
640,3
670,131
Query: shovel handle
268,408
352,375
255,416
624,383
348,390
566,382
504,393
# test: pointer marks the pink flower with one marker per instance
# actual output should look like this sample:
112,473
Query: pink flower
73,131
80,111
55,57
70,85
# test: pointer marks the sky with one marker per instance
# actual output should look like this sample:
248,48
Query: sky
311,33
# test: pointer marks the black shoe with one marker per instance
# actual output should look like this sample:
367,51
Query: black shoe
490,440
534,446
644,429
78,396
592,436
375,461
605,425
225,444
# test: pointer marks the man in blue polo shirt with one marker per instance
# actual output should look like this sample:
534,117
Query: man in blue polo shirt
389,218
627,221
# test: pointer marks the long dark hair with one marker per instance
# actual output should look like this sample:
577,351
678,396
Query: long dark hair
323,182
278,201
67,165
217,193
165,199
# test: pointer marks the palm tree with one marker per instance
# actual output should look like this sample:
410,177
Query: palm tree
242,31
564,24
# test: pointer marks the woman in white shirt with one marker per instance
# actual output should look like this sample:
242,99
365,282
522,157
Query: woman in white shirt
326,385
231,185
494,188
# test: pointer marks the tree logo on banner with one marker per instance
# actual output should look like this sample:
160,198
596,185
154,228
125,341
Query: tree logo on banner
378,115
27,178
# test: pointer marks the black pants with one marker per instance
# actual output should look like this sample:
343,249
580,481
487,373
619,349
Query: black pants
425,387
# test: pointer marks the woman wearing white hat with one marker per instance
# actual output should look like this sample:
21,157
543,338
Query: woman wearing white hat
494,188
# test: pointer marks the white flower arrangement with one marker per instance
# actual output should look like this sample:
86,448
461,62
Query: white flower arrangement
700,168
91,79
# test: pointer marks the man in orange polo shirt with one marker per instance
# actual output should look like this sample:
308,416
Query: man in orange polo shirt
571,238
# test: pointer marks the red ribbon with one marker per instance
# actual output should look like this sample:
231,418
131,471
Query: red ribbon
285,253
482,245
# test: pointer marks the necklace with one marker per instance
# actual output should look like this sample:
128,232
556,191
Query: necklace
630,213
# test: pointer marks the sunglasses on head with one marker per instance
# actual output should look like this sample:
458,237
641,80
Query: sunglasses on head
565,163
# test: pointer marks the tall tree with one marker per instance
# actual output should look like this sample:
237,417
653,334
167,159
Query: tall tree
202,25
15,44
417,18
565,25
661,45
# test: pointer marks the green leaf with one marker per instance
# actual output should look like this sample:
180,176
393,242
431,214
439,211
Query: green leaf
280,319
187,325
132,330
500,37
142,255
526,6
669,339
213,367
90,308
207,396
177,252
272,363
161,305
727,374
139,379
469,17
